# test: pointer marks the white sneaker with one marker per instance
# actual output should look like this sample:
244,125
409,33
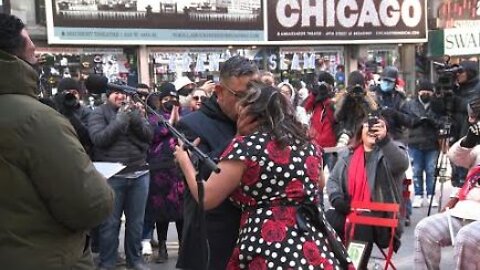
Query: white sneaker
417,201
434,202
146,247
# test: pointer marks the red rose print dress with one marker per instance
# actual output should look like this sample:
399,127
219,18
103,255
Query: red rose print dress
277,181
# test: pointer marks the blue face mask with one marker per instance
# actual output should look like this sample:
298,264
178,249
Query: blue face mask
387,86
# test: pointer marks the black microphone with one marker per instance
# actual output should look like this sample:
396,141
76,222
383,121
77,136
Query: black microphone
97,84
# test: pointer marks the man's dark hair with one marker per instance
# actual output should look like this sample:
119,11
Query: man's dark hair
237,66
11,40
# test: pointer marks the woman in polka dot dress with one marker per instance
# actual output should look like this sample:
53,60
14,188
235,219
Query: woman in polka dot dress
273,175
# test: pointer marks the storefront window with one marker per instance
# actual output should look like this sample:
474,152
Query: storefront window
118,65
376,59
199,64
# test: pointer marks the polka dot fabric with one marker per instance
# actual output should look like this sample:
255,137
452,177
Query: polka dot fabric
275,183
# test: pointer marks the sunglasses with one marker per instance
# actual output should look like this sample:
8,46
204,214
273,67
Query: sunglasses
199,98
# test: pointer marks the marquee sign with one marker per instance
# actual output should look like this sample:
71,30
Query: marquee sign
336,21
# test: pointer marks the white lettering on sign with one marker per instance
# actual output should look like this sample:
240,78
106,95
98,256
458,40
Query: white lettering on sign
348,13
272,62
462,41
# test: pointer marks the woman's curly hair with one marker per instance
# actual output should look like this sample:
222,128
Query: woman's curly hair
274,113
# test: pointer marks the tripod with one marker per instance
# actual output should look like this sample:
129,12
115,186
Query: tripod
441,167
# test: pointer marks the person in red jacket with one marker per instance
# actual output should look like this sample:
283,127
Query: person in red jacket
320,105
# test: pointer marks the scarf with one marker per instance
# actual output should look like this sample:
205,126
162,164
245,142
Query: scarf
472,178
358,188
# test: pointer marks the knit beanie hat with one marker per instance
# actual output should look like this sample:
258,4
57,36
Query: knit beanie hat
425,85
68,84
324,76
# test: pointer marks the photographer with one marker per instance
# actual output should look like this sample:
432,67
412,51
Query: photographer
67,103
319,104
461,215
354,104
391,101
372,169
422,141
456,107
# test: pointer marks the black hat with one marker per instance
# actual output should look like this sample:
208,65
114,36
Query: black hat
390,73
68,84
356,78
356,82
167,89
425,85
324,76
471,67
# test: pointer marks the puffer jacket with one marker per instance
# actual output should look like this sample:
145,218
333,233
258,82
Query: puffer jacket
50,192
119,138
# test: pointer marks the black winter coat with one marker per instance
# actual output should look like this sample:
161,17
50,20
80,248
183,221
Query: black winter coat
424,127
215,131
119,137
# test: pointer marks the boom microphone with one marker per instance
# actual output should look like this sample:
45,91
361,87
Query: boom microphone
97,84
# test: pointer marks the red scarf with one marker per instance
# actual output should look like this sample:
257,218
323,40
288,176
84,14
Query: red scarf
358,188
470,181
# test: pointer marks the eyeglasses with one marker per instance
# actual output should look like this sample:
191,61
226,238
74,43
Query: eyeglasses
199,98
237,94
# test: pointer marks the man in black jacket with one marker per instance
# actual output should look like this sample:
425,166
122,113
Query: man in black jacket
467,89
423,146
120,133
215,125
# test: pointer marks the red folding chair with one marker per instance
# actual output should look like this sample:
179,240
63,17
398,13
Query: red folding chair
356,218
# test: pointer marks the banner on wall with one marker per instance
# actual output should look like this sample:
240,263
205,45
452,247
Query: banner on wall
458,13
339,21
154,22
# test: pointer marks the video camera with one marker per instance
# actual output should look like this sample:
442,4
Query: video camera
447,76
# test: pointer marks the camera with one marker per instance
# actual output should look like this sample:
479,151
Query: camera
372,120
357,91
447,76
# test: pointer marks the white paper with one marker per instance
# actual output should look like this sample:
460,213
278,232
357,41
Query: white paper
108,169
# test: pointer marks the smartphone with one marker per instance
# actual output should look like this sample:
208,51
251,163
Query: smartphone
372,120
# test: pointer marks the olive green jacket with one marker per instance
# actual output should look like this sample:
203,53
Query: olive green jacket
50,192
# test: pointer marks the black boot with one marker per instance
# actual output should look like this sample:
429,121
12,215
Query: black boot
162,252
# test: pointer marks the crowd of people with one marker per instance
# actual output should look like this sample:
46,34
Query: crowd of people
272,142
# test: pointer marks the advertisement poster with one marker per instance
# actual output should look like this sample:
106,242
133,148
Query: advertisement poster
155,21
458,13
352,21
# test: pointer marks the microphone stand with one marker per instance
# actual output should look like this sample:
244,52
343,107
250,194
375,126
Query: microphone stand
188,145
202,157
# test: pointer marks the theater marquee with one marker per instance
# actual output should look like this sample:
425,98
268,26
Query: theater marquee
339,21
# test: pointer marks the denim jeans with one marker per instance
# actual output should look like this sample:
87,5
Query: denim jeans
423,161
130,198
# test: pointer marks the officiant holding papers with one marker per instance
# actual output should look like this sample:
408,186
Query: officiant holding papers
120,133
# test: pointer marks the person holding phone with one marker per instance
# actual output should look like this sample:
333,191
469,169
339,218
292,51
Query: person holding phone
371,169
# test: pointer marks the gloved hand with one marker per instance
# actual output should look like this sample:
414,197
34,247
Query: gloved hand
473,136
341,206
388,112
